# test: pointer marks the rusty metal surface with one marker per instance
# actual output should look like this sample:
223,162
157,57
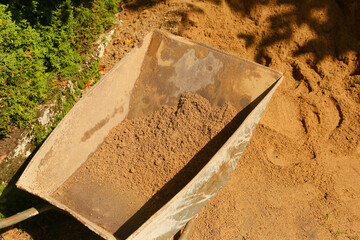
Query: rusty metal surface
153,74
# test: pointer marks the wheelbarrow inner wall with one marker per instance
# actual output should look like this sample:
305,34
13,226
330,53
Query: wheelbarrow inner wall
155,73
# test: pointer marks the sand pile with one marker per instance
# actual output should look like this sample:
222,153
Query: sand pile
142,156
299,177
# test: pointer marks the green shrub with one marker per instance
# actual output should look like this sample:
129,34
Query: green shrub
23,76
43,42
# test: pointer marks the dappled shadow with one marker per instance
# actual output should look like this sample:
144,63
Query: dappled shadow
249,39
330,21
333,24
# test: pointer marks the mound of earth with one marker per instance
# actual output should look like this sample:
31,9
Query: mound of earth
299,177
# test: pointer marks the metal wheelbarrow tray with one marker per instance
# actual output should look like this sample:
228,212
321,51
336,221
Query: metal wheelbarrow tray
155,73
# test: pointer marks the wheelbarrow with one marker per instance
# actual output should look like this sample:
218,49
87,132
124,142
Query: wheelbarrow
153,74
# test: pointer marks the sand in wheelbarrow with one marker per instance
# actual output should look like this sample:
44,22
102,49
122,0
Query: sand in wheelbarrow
140,160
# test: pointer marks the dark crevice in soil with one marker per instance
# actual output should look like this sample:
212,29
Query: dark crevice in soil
338,108
304,125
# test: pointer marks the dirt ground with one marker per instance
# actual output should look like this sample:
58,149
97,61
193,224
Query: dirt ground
299,177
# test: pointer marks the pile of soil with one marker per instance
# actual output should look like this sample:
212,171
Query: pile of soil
299,177
144,154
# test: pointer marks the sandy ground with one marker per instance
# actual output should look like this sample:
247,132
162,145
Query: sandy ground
300,175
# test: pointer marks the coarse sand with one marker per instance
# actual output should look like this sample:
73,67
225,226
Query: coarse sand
299,177
141,155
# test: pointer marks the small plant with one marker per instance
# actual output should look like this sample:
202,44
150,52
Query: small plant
23,80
